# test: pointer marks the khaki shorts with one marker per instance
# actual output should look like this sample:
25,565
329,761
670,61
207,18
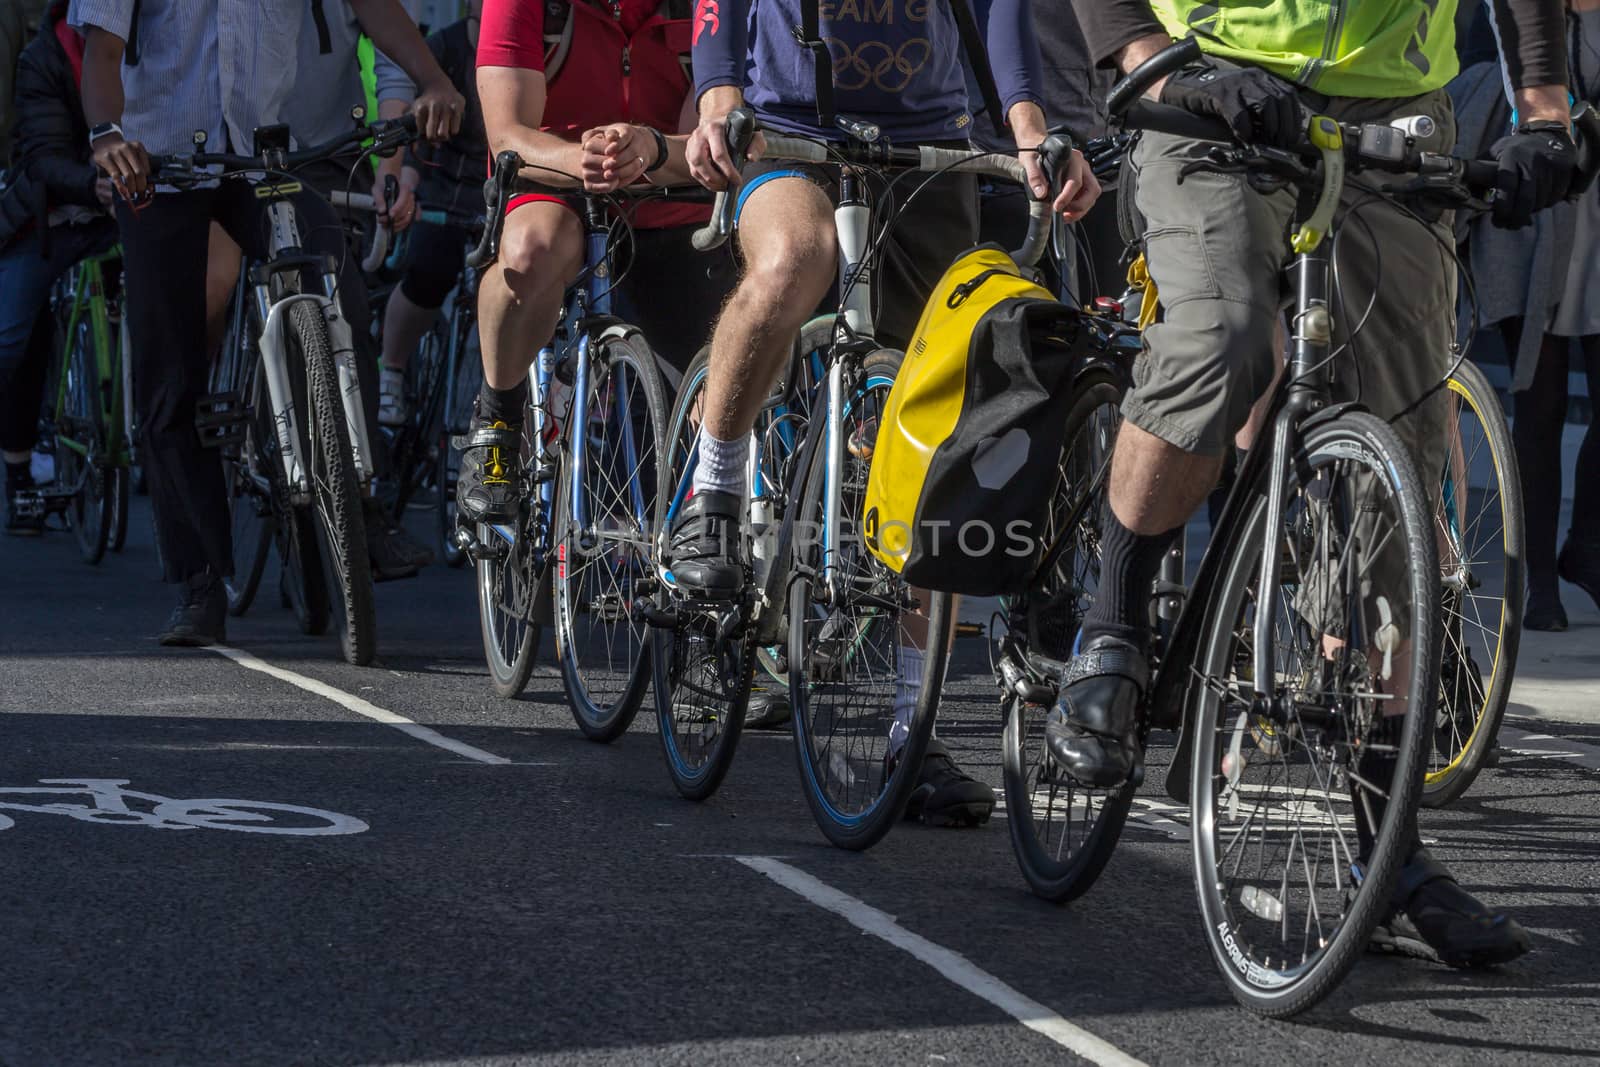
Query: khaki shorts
1217,250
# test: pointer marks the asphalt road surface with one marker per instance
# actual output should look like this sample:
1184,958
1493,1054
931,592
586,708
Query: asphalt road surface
476,884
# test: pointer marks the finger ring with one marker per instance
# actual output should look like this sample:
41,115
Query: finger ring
639,158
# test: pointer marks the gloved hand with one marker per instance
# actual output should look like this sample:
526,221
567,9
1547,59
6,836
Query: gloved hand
1537,164
1258,108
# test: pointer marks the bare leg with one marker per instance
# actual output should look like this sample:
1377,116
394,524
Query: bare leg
404,323
1156,486
519,300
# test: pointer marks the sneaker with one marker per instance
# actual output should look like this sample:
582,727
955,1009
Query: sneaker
1579,563
705,547
391,398
769,707
200,619
946,795
1436,920
487,487
393,551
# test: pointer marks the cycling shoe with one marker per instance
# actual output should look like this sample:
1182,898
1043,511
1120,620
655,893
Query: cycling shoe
1093,730
487,486
704,548
946,795
1436,920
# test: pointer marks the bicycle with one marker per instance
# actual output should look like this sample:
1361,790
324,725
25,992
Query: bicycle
89,425
813,587
579,546
285,405
1319,586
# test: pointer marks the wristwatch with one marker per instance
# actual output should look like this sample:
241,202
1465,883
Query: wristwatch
103,129
661,150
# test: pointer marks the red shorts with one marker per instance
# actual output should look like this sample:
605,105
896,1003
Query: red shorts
538,198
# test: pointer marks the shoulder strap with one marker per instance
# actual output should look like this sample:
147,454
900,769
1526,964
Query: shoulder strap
978,59
557,36
809,36
130,54
324,38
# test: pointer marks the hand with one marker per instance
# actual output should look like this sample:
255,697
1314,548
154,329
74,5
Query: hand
126,163
1537,164
1258,108
439,109
615,156
404,212
710,163
1079,189
105,192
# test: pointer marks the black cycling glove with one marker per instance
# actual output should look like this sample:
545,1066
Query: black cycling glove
1258,108
1537,164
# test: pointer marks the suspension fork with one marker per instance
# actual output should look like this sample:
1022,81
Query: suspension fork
1311,336
342,340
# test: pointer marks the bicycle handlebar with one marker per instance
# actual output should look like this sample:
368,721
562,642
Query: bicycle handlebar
1054,153
383,236
386,137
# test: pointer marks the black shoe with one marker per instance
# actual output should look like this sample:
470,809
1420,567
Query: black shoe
1435,919
1579,563
769,707
946,795
200,619
24,514
1093,730
1544,611
705,547
393,551
487,488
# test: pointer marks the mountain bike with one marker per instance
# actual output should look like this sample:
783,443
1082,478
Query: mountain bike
1307,643
93,452
578,550
813,586
285,405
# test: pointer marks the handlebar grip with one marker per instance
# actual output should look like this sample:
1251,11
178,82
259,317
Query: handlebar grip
741,130
1132,87
496,194
1164,118
1480,175
1055,153
1040,218
379,251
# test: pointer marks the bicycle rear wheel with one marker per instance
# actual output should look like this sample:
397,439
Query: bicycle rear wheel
604,566
335,489
250,493
860,733
413,453
1063,833
1478,526
1296,845
464,382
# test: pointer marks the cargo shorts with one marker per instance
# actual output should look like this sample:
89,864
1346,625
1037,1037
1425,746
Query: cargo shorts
1217,250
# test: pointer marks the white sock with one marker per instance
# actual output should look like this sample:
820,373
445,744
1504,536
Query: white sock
907,687
721,466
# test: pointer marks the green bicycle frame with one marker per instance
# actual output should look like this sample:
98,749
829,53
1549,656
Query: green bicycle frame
89,303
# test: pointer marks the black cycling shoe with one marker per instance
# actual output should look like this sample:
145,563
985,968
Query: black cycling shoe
946,795
1093,730
769,707
705,549
201,617
24,509
1544,611
487,488
393,551
1579,563
1436,920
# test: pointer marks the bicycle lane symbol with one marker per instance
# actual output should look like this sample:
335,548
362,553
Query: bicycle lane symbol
109,803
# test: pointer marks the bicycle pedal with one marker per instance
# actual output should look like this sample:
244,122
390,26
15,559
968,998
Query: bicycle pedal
220,419
29,504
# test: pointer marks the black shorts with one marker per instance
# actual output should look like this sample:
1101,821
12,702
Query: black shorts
938,222
435,256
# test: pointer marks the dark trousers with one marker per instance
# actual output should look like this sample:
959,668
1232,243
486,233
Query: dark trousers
164,269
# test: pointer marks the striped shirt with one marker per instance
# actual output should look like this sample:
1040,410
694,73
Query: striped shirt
222,66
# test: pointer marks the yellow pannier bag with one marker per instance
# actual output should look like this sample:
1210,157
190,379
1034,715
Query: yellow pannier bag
967,451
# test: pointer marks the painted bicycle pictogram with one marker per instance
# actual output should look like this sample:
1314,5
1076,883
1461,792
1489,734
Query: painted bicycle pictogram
110,803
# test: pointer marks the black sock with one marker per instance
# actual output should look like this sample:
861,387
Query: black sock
1378,768
1129,563
503,405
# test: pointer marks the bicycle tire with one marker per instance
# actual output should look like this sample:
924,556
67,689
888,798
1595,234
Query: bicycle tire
1456,761
712,673
844,649
605,698
1316,543
336,491
121,489
509,585
250,511
413,464
92,505
1053,609
466,376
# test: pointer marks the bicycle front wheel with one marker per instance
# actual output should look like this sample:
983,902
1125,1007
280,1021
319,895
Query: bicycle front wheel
335,488
861,726
81,450
1478,527
1301,800
510,579
604,517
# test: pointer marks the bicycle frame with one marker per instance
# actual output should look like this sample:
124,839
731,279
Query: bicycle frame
87,286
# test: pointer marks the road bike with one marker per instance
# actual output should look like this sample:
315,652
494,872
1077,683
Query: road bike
813,588
577,554
285,405
89,422
1304,653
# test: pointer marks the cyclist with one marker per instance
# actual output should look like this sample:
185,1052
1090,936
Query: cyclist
52,214
583,126
450,177
157,66
745,53
1215,248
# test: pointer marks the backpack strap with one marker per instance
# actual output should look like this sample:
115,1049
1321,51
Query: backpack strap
558,27
130,53
809,36
978,59
324,37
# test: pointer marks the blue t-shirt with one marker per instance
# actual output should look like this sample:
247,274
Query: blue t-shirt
896,63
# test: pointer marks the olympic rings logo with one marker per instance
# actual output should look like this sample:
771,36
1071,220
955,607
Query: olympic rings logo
875,63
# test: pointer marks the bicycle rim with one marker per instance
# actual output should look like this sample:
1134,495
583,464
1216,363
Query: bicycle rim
1289,896
605,566
1478,526
92,503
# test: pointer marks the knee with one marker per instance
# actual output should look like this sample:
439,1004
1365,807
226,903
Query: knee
535,257
795,267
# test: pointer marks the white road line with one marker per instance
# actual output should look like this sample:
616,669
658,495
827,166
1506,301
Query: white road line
1546,746
359,706
952,965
